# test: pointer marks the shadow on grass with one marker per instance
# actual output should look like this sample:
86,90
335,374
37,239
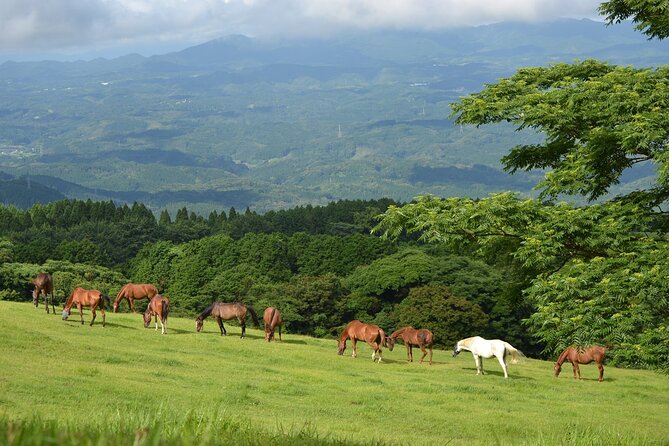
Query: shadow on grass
500,373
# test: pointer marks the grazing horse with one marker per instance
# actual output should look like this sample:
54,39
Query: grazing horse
86,298
584,355
410,336
272,319
484,348
222,311
43,285
356,330
159,307
134,291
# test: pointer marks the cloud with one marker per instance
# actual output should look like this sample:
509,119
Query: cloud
57,24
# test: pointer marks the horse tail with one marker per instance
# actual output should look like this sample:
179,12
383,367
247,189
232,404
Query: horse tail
516,354
165,310
254,316
105,300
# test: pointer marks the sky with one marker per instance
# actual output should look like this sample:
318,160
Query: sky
70,29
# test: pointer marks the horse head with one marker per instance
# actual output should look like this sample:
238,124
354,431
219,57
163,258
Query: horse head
456,349
557,368
341,347
199,323
115,307
147,317
66,313
389,342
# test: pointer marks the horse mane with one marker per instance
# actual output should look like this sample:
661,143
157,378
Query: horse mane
206,312
68,302
398,332
254,315
121,292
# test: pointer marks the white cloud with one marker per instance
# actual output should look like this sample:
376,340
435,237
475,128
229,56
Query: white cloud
56,24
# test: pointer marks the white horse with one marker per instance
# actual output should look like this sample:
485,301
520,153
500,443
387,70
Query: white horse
484,348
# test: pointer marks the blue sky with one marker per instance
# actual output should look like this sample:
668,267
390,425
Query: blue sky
68,29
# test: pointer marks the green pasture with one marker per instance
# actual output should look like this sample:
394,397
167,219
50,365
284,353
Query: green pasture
66,383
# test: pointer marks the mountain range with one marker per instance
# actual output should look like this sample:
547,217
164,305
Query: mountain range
241,122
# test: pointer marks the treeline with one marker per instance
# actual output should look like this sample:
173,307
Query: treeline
103,233
319,265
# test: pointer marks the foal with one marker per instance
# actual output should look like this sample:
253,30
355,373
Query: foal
410,336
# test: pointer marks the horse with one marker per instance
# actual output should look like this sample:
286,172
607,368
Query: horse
410,336
484,348
223,311
43,285
89,298
370,333
159,307
134,291
272,319
584,355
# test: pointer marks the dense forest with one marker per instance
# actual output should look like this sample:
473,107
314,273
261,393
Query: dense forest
319,265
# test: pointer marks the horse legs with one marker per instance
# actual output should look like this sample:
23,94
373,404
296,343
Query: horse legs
479,364
131,304
81,313
409,355
102,310
503,364
220,325
601,371
422,348
92,315
355,352
46,302
155,320
577,370
279,332
52,306
243,329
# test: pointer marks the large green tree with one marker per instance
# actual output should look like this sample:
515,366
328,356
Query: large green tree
596,273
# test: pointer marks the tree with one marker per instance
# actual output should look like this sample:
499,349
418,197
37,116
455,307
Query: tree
434,307
595,274
651,16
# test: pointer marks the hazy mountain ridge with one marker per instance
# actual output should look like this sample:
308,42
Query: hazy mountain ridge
277,124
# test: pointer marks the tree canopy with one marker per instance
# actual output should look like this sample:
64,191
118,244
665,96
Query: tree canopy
593,274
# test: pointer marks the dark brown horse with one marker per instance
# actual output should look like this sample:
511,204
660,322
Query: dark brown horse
582,355
370,333
86,298
132,292
222,311
43,285
410,336
272,319
159,307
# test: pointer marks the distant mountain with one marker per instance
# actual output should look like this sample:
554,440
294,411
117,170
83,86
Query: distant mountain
240,122
24,193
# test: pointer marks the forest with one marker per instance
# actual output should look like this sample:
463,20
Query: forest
319,265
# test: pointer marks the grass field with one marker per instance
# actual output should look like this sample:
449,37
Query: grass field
62,382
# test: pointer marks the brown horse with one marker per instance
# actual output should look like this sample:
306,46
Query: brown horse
272,319
134,291
159,307
410,336
86,298
43,285
222,311
356,330
582,355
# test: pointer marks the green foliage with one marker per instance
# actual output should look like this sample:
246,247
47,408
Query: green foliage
651,16
599,120
450,318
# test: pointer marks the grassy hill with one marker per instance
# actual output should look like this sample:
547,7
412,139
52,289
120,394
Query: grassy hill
64,383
